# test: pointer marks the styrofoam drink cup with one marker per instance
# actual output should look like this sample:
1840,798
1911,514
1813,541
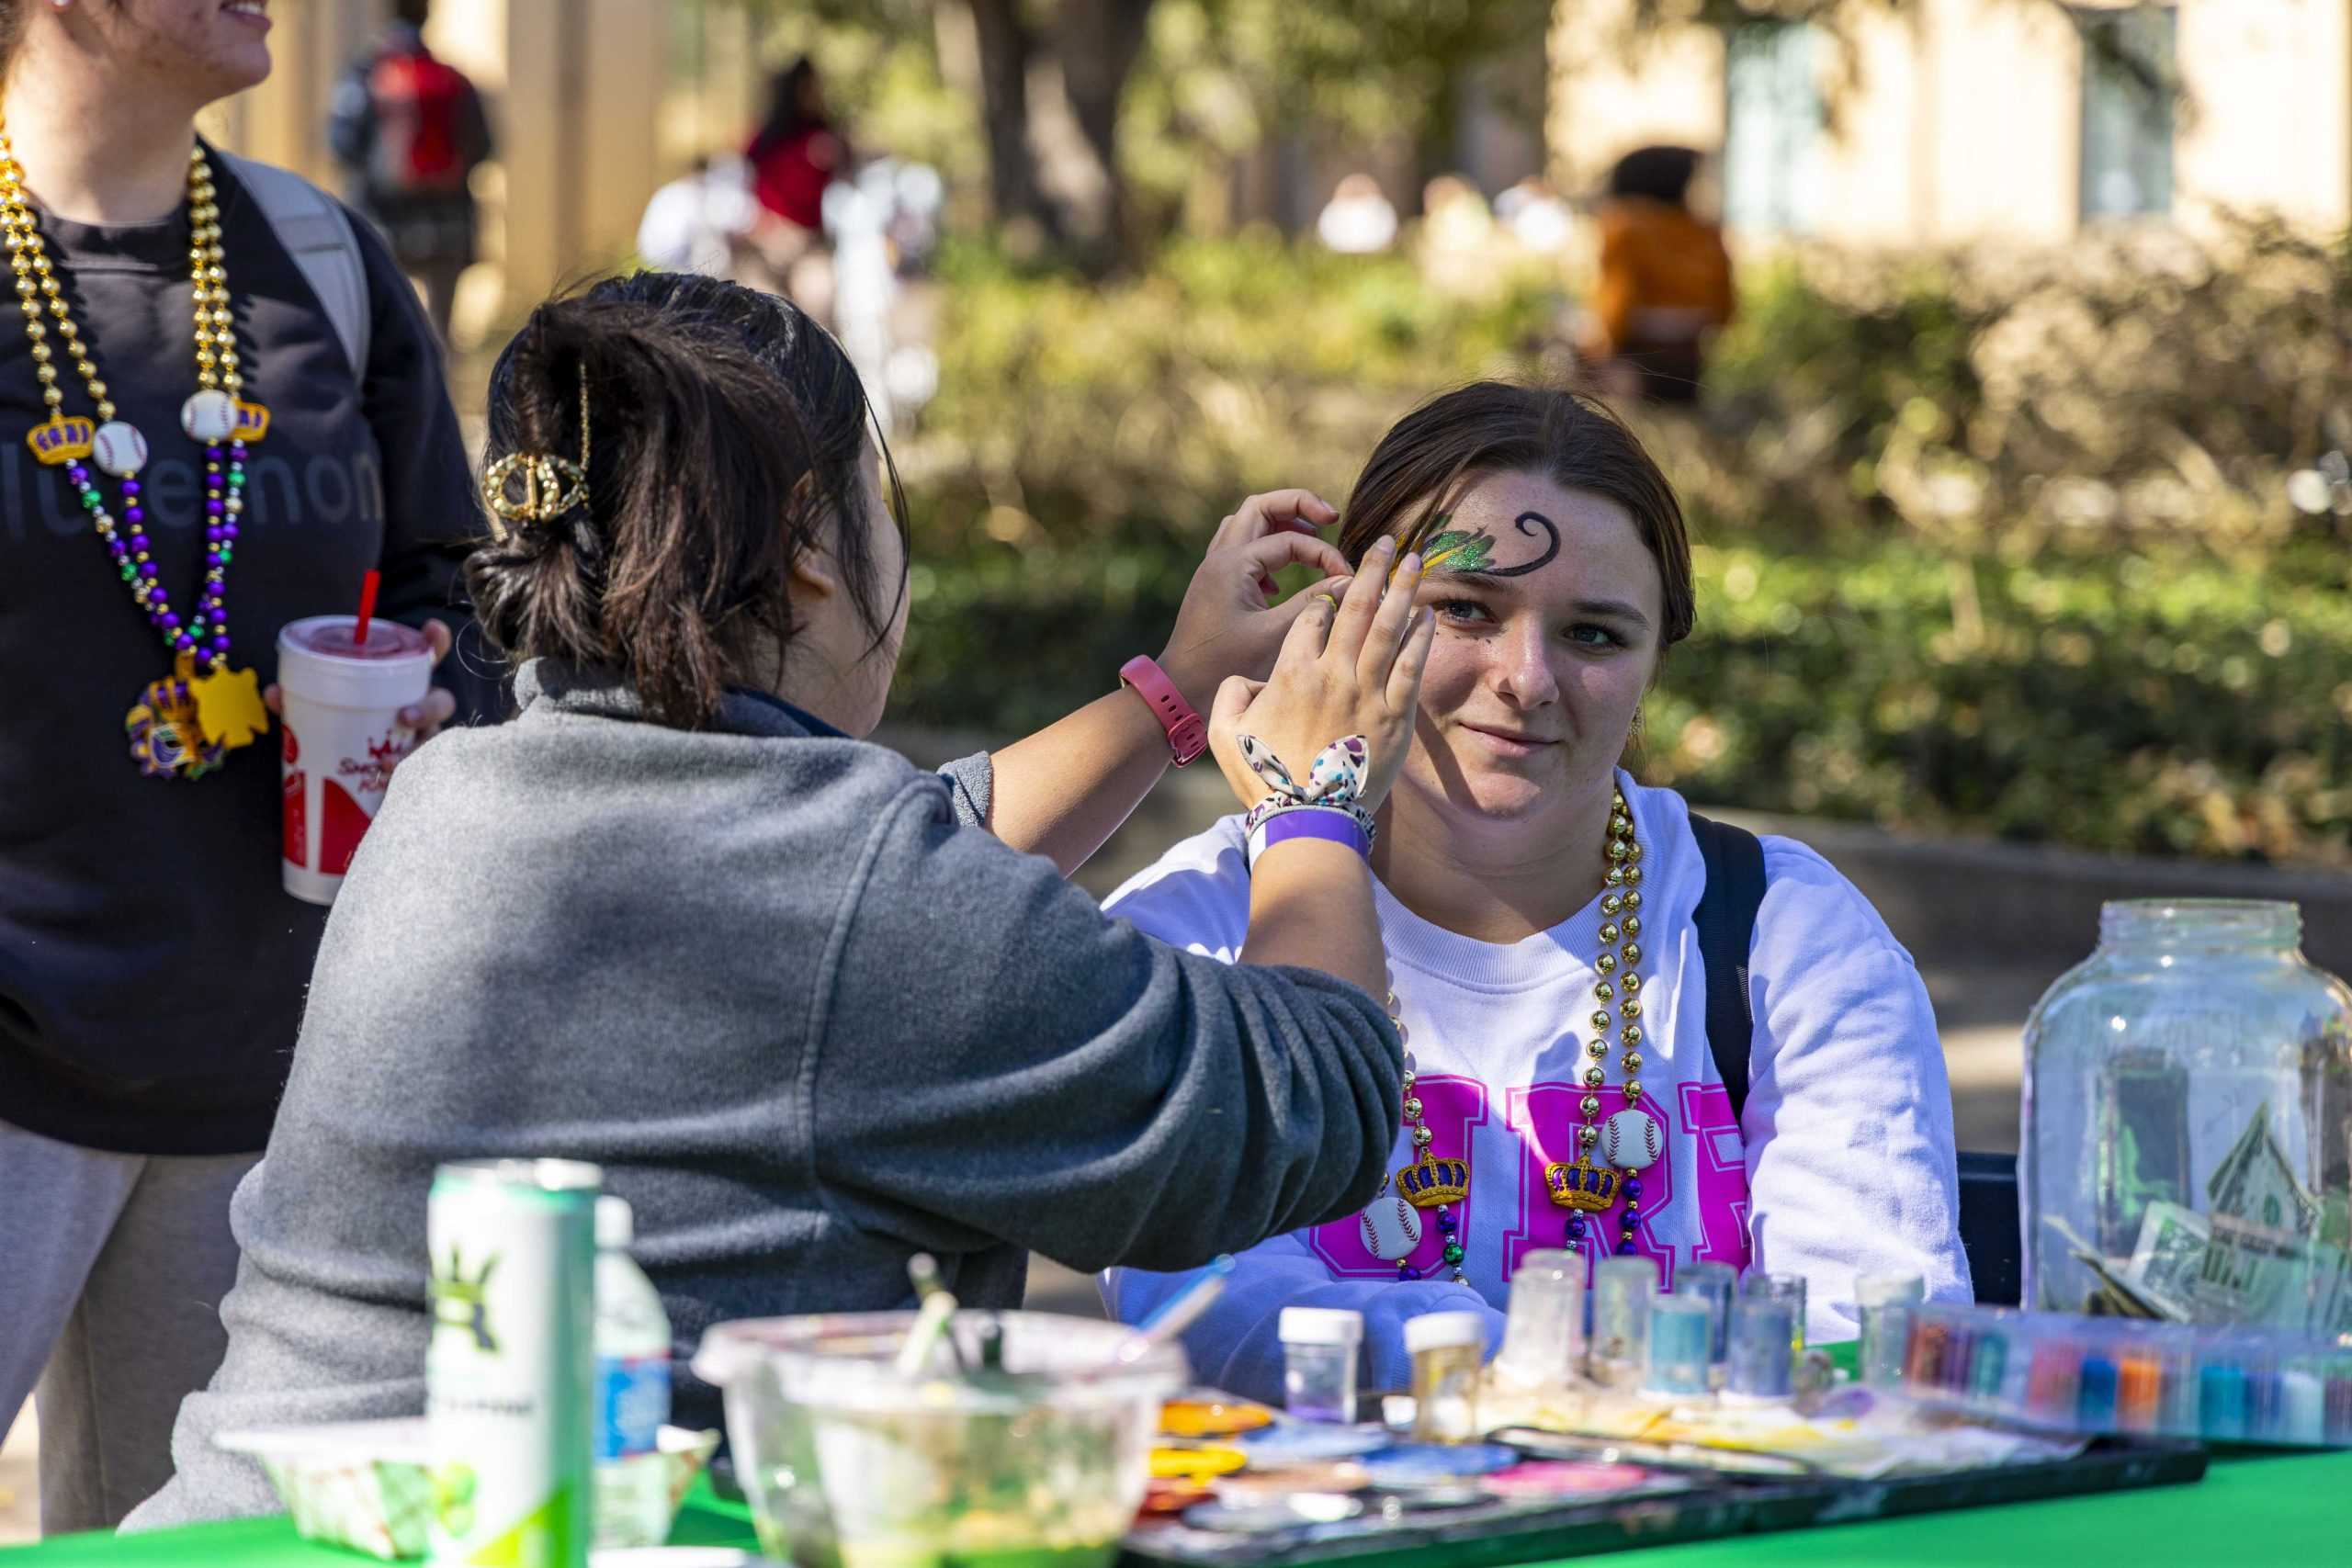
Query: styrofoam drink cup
341,737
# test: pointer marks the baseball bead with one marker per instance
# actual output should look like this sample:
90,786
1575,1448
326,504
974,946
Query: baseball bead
210,416
1631,1140
120,449
1392,1227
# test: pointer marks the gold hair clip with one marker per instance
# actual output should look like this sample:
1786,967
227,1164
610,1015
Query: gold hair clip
552,486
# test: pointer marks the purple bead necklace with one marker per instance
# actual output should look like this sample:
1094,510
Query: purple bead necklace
183,724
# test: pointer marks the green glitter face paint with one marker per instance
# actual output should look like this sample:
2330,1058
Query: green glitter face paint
1461,552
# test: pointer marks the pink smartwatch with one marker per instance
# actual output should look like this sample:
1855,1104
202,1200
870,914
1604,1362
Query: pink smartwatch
1188,735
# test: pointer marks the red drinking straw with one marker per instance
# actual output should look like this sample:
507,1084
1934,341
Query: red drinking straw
367,607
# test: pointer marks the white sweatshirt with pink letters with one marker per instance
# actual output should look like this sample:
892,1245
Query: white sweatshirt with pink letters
1841,1164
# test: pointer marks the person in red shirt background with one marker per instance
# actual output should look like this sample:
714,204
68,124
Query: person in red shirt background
795,153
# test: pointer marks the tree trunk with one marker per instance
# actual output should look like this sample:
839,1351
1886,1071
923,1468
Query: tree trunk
1098,42
1015,200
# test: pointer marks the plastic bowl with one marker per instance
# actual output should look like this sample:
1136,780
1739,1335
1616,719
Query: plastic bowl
848,1464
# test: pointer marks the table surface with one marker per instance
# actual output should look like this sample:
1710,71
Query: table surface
2269,1508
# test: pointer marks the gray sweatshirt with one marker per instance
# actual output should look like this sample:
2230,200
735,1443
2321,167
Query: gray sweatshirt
807,1020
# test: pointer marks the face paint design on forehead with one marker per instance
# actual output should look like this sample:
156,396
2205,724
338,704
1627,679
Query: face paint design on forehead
1459,552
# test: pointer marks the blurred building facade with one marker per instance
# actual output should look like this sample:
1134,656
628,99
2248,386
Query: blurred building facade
1948,121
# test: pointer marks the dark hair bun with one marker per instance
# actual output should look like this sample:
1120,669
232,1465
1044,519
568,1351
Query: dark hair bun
723,429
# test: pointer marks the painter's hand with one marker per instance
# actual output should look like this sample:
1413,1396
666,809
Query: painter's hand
1230,624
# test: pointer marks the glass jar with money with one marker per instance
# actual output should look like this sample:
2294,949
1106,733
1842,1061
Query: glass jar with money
2187,1148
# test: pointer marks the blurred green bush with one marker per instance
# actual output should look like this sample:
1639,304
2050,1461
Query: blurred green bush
1998,546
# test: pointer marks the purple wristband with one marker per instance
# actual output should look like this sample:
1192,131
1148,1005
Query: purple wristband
1331,823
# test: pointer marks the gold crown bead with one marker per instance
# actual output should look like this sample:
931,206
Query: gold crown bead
1587,1136
1632,1009
1632,953
1633,1063
1633,985
1632,900
1611,904
1633,1090
1590,1105
1609,931
1423,1137
1596,1048
1603,1020
1605,963
1594,1077
1636,852
1633,874
1617,848
1605,991
1616,877
1632,1035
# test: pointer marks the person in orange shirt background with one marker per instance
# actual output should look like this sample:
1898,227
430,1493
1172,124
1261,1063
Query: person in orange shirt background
1664,286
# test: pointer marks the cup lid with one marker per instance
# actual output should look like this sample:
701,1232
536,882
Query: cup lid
333,637
1321,1326
1439,1330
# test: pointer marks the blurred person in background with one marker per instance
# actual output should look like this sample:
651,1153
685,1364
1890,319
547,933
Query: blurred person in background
1358,220
408,131
702,222
152,967
794,156
1664,286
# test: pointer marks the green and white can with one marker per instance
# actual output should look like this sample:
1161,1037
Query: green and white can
510,1374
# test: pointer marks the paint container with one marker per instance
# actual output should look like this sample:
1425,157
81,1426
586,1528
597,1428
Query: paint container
1681,1331
1717,1284
1761,1358
1622,1289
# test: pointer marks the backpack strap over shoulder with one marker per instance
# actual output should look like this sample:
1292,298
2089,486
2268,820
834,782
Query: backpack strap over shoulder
1727,924
317,232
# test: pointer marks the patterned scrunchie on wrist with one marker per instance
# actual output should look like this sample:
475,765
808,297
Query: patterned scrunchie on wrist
1335,782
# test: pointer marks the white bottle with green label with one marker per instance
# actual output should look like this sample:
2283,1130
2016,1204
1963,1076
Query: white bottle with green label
510,1372
632,1388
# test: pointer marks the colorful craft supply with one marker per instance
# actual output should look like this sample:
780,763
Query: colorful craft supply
1543,1334
2071,1373
1681,1330
1883,1303
1717,1284
1319,1346
1422,1464
1201,1464
1760,1364
1786,1289
1212,1418
1622,1292
1449,1351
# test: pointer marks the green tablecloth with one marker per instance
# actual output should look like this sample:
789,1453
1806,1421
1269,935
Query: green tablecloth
2278,1512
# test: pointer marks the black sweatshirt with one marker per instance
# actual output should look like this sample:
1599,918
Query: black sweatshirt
152,970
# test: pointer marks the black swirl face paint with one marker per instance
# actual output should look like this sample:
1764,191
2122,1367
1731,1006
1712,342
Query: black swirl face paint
1462,552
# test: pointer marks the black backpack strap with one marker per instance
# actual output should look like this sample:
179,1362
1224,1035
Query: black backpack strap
1726,923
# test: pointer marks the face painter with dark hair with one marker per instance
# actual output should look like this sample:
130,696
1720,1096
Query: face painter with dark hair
197,446
813,1009
1537,907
